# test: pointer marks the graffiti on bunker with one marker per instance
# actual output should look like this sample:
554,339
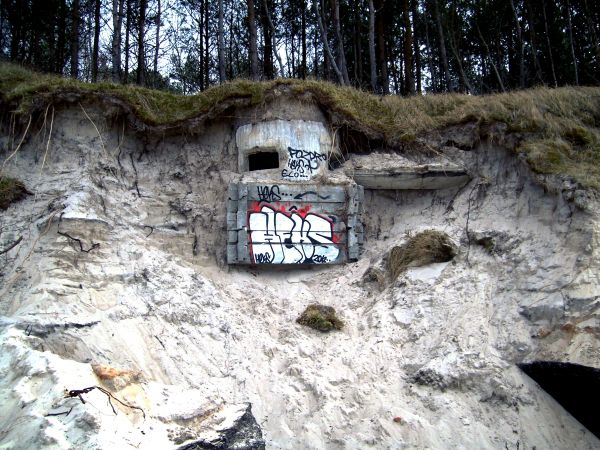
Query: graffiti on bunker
302,164
292,236
289,223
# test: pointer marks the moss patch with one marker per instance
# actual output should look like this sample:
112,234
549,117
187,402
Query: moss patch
427,247
320,317
11,191
570,115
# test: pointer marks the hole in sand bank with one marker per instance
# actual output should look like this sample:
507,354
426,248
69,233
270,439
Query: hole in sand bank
575,387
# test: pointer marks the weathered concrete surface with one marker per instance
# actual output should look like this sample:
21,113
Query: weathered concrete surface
390,171
304,147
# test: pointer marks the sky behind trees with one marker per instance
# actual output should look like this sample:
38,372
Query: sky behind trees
385,46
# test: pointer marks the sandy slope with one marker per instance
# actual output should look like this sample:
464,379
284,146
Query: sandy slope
437,347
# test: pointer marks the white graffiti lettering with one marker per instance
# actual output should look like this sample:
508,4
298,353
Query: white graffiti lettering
301,164
282,238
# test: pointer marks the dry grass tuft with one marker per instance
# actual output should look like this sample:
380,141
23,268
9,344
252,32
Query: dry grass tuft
427,247
321,318
11,191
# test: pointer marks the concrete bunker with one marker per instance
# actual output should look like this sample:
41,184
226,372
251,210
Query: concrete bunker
291,205
288,207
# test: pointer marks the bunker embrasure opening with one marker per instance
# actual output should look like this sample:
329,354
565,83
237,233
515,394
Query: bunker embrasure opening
264,159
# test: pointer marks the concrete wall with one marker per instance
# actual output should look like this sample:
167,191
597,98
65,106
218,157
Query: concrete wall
303,146
288,223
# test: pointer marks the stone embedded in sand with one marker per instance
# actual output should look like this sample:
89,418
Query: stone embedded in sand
233,427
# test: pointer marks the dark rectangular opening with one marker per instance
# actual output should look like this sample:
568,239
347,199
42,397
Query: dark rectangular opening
268,159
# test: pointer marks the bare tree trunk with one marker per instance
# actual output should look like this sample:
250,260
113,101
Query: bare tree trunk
206,45
141,58
571,43
252,37
303,67
438,21
326,43
372,60
549,45
356,32
417,47
432,66
268,69
409,81
201,44
341,57
61,26
532,39
487,51
463,76
117,17
521,46
96,41
157,42
273,34
381,50
230,75
74,39
127,33
221,44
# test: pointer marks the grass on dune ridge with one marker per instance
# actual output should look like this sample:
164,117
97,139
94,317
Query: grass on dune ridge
560,128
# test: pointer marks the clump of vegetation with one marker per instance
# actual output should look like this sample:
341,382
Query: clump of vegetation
559,129
320,317
11,191
427,247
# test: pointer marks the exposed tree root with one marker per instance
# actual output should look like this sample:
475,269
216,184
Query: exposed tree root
80,392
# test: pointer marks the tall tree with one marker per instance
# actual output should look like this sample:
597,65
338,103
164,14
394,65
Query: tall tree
380,28
409,81
117,16
128,24
141,57
372,60
442,44
303,38
551,57
571,45
416,43
269,23
252,39
96,41
221,44
341,57
521,44
326,46
157,40
533,41
75,39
